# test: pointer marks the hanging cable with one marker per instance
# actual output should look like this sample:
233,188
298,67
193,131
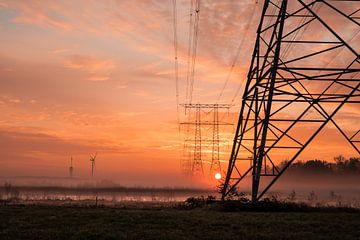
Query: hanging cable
296,36
176,64
233,64
285,52
194,48
190,42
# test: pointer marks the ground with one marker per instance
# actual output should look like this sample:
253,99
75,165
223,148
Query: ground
59,222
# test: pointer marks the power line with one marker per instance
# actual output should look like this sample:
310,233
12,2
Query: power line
187,163
176,64
194,48
195,163
269,21
233,64
302,26
190,42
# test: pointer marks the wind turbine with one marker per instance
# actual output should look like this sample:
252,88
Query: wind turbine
92,160
71,168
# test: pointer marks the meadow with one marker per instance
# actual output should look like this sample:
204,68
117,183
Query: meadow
71,222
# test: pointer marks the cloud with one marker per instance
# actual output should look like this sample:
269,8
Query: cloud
97,69
88,63
60,50
3,5
122,86
129,42
7,69
42,20
97,77
36,13
9,101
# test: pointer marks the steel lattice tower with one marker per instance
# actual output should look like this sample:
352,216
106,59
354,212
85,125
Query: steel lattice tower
215,153
296,85
195,163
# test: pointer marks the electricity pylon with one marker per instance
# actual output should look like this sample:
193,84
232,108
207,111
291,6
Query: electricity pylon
196,165
215,165
303,71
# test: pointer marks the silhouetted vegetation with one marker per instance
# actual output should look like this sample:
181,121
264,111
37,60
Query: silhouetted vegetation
196,202
10,193
269,204
233,193
341,166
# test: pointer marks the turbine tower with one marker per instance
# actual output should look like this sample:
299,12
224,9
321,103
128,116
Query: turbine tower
92,160
71,168
303,73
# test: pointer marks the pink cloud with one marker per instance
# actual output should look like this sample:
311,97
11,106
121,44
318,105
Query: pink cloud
35,13
42,20
9,101
97,69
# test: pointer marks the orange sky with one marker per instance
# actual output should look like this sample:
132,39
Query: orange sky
79,77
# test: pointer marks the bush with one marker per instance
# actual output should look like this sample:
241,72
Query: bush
194,202
197,202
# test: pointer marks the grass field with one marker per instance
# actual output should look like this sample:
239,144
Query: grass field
58,222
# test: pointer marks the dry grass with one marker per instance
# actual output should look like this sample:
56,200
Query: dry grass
46,222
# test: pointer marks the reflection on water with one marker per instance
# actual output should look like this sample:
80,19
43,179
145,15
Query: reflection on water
339,197
113,197
104,195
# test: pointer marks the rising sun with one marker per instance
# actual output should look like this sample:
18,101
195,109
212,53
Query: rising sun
217,176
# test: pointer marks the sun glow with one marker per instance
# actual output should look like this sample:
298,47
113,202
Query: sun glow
217,176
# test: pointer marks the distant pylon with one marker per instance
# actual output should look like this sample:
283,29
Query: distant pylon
199,143
186,162
197,166
215,153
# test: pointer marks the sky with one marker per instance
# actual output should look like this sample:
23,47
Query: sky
79,77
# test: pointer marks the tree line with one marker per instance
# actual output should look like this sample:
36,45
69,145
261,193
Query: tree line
341,165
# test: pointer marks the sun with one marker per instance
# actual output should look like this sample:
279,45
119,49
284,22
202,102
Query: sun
217,176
